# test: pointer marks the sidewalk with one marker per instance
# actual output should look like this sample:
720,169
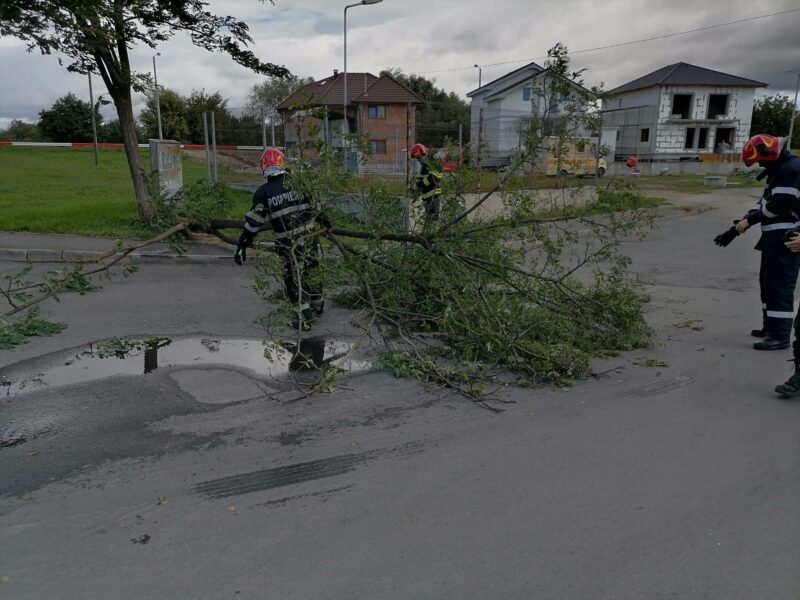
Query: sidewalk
204,249
44,247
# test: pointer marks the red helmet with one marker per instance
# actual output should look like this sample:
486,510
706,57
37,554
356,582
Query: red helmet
418,151
273,162
761,147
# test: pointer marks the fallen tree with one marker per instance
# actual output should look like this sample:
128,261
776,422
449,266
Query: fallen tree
528,291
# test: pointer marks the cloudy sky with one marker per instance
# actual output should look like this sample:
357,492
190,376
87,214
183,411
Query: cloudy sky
444,39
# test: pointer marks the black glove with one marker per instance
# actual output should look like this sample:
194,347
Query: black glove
723,239
245,241
790,234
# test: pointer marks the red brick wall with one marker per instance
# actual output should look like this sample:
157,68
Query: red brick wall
391,129
399,119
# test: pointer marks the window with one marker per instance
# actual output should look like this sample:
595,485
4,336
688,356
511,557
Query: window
689,143
682,105
702,138
377,146
717,105
725,138
376,112
526,94
644,136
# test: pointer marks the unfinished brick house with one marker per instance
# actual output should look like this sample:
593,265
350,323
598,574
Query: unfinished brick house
680,112
380,108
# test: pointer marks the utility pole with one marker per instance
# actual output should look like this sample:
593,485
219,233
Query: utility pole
158,97
794,111
94,123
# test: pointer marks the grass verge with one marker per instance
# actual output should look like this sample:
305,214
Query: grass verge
59,190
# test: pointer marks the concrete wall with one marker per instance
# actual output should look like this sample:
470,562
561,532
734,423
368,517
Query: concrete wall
652,109
629,123
681,168
672,133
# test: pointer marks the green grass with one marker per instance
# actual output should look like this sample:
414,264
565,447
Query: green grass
59,190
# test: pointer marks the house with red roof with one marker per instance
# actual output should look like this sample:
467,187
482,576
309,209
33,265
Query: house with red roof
380,108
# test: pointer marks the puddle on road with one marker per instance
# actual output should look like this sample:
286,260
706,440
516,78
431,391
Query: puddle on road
84,365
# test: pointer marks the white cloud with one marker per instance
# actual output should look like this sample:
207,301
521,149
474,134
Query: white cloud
442,39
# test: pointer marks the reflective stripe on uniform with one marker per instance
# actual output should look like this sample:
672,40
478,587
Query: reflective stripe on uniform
778,314
431,193
787,190
293,232
774,226
768,214
289,210
251,228
255,217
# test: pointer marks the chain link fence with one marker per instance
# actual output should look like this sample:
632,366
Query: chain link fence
235,139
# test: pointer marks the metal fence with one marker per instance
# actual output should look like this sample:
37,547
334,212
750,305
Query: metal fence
234,140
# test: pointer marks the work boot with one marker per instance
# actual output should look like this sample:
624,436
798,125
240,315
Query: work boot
761,333
790,389
770,343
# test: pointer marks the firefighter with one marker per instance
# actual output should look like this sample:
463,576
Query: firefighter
777,213
428,184
290,215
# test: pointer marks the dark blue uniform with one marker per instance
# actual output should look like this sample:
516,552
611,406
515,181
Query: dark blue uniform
291,217
777,212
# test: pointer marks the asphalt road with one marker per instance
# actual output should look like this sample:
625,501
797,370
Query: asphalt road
679,481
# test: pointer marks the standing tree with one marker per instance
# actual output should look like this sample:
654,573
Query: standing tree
443,112
271,92
773,115
201,101
20,131
174,125
97,36
68,120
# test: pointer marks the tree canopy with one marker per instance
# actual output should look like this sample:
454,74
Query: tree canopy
272,91
438,119
773,115
20,131
68,120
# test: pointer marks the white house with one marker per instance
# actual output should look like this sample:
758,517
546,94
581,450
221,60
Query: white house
502,109
680,112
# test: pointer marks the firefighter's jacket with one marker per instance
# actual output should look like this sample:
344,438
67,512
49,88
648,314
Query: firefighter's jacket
428,183
779,206
288,211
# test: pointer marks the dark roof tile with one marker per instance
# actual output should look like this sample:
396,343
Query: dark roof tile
685,74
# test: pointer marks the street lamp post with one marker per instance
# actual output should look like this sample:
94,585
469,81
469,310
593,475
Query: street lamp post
94,123
344,96
794,110
479,74
158,97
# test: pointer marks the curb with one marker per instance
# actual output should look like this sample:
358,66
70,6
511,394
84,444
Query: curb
42,255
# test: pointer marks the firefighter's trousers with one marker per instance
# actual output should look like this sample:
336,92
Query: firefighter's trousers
777,278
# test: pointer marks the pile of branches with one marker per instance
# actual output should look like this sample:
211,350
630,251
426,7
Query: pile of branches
463,302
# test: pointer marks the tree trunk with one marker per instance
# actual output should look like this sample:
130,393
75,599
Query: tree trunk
127,124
